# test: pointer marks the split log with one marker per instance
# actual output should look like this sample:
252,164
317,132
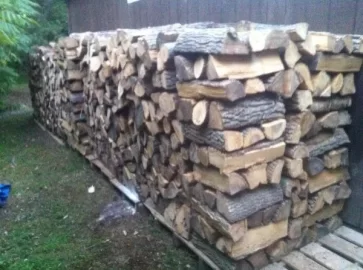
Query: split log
291,187
199,67
248,111
324,213
295,228
212,41
282,212
300,101
307,47
344,118
185,109
267,39
296,151
291,54
239,207
299,207
336,158
230,90
254,86
313,166
284,83
254,240
326,42
228,183
233,231
243,67
201,226
316,203
183,68
337,83
168,103
348,85
321,84
182,221
274,130
336,63
210,198
203,155
326,141
303,71
298,125
329,120
230,162
332,104
293,167
200,112
327,178
274,170
256,175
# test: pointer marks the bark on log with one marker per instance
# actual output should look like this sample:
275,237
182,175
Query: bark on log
274,170
240,207
297,151
284,83
332,104
336,158
300,101
335,63
248,111
327,178
184,68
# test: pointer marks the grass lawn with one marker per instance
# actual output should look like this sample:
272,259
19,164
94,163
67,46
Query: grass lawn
50,220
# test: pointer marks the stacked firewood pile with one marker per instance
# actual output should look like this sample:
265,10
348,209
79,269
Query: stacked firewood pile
234,133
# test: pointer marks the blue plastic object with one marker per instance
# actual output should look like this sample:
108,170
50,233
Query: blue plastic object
4,193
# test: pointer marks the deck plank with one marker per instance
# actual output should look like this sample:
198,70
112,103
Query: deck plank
350,235
343,247
298,261
325,257
275,266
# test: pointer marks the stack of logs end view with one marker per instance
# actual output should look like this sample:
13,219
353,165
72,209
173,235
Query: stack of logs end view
234,133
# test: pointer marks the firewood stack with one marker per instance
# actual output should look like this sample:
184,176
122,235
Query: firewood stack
233,132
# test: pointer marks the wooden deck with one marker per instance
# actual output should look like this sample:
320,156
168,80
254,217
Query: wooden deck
341,250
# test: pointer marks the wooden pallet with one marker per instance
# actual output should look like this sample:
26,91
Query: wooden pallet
341,250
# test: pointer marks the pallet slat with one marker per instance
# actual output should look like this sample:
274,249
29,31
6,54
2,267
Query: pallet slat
298,261
350,235
275,266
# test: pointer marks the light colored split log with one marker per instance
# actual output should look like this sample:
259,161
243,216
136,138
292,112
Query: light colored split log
329,120
332,104
170,213
267,39
293,167
168,103
327,141
336,63
274,170
213,41
327,178
321,84
178,129
153,127
256,175
348,85
200,112
182,221
326,42
337,83
248,111
199,67
184,68
282,212
254,240
299,207
237,208
232,231
291,187
230,90
344,118
307,47
284,83
300,101
297,151
243,67
295,228
228,183
298,125
251,136
185,109
274,130
291,54
245,158
203,155
303,71
324,213
254,86
336,158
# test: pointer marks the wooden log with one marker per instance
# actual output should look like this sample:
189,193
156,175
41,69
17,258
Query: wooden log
313,166
248,111
321,84
329,120
256,175
299,207
284,83
200,112
243,67
210,198
348,85
324,213
332,104
291,54
239,207
263,152
298,125
326,141
337,83
282,212
300,101
233,231
228,183
168,103
185,109
335,63
267,39
316,203
274,170
254,86
274,130
184,68
344,118
326,42
254,240
307,47
230,90
303,71
295,228
290,187
258,260
203,155
336,158
182,221
212,41
199,67
293,167
327,178
296,151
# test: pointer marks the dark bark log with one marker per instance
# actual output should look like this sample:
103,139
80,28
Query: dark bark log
184,68
332,104
313,165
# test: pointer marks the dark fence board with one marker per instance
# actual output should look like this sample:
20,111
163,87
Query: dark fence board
342,16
